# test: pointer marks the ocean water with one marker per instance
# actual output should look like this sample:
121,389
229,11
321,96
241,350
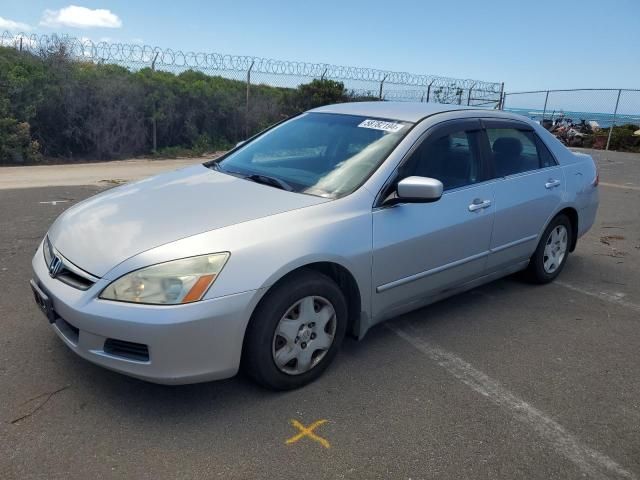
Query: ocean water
604,119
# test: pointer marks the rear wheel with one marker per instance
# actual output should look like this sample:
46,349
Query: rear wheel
296,331
551,254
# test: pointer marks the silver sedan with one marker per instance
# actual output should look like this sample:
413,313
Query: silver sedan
325,224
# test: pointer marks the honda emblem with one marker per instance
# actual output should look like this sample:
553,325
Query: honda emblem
55,267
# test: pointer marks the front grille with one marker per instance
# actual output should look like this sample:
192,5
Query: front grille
128,350
65,271
74,280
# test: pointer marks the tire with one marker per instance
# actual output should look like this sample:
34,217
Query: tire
296,307
544,265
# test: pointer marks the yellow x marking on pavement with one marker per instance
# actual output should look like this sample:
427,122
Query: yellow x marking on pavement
308,432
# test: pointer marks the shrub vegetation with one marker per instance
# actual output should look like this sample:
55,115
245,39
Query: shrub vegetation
54,107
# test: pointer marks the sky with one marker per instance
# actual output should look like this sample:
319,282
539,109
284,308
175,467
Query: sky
528,45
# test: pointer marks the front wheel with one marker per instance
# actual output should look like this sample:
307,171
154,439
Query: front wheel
551,254
296,331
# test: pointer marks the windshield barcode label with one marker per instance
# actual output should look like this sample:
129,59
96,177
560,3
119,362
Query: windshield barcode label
382,125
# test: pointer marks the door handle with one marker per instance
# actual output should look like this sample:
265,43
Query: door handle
551,183
479,204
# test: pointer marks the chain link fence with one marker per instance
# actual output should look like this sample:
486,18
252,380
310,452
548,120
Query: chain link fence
606,119
263,90
113,100
368,83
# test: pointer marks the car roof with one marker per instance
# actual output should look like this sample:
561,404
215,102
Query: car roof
403,111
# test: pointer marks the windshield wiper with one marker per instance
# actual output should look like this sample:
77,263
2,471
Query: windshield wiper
271,181
255,177
215,166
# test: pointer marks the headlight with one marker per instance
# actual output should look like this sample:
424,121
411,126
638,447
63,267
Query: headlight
46,249
170,283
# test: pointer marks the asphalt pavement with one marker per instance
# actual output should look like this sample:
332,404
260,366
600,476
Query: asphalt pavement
508,381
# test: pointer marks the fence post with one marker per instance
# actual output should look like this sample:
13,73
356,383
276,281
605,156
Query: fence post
469,96
544,111
155,107
381,85
429,90
246,115
153,62
613,123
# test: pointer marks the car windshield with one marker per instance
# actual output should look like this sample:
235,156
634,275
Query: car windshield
324,154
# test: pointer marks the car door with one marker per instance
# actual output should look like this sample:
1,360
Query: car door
528,190
423,249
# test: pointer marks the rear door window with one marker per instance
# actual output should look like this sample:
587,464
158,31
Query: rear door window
516,151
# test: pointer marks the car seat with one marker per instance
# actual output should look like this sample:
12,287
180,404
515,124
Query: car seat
507,156
442,161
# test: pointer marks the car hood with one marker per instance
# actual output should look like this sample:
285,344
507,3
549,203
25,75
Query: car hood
103,231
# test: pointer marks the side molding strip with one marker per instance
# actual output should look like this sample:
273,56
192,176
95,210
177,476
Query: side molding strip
513,244
418,276
426,273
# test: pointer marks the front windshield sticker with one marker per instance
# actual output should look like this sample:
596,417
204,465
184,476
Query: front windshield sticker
392,127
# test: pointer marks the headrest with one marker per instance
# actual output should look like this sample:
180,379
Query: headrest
508,146
443,143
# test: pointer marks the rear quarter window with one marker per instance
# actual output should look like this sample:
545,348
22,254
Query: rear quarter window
546,158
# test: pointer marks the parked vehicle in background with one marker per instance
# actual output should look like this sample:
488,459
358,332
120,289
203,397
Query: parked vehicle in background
325,224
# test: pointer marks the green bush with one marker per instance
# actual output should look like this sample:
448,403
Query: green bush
622,139
53,106
320,92
16,145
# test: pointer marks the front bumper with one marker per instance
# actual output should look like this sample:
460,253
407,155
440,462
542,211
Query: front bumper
188,343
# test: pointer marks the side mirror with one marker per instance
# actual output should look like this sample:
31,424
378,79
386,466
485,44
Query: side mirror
418,190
